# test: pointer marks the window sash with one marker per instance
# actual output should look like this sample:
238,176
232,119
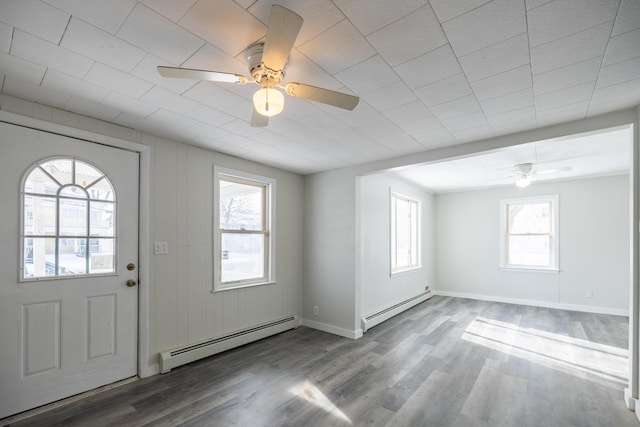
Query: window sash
243,267
404,227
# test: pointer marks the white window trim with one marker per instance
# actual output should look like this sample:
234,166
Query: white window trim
555,220
401,271
270,212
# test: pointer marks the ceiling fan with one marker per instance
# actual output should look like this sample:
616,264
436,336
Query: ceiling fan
523,173
267,62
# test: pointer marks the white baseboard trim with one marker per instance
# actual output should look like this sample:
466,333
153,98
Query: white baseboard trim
149,371
332,329
535,303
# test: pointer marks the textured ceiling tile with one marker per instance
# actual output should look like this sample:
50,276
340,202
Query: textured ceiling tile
561,18
465,121
168,119
420,126
172,9
224,24
624,93
92,109
623,47
34,49
628,18
338,48
513,118
302,70
409,37
368,75
112,79
562,114
429,68
410,112
445,90
447,9
32,92
485,26
474,133
619,73
568,76
389,96
6,32
21,69
568,96
506,103
318,15
362,115
95,43
168,100
504,56
435,138
108,15
570,50
503,83
371,15
129,105
531,4
457,108
209,115
35,17
75,87
158,35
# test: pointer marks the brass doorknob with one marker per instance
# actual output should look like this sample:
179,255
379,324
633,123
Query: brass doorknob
131,283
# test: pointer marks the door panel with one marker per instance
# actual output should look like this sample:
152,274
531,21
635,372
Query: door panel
64,336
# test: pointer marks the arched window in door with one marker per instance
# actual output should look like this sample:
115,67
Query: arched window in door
68,220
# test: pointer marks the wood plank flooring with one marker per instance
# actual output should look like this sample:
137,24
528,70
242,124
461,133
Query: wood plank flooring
445,362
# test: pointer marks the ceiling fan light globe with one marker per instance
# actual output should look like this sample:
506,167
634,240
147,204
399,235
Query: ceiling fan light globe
523,181
268,102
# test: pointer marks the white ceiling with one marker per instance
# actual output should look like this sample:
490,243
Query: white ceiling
429,73
580,156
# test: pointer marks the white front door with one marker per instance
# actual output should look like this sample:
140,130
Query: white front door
68,247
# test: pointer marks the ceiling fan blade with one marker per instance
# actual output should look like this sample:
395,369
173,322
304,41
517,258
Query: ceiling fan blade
326,96
282,32
258,120
190,73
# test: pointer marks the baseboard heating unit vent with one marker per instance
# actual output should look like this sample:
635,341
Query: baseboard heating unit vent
191,353
378,317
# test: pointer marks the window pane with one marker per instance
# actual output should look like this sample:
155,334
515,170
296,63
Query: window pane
101,255
530,250
71,260
60,170
39,216
73,217
242,257
241,206
529,218
101,190
39,257
40,183
73,191
101,219
85,174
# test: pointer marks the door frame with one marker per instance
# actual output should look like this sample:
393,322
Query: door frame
144,152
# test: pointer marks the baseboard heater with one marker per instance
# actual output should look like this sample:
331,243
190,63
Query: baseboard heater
387,313
183,355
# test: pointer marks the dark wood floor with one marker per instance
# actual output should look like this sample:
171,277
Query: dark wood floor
446,362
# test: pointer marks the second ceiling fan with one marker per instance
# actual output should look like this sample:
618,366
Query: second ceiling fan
267,62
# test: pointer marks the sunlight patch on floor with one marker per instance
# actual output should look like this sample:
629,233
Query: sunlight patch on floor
312,394
574,356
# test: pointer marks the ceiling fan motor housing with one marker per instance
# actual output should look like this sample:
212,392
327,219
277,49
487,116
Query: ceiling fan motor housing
262,74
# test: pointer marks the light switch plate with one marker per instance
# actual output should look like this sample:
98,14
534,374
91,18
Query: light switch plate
160,248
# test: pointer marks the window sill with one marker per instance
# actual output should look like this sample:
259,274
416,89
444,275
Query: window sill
530,270
403,272
248,285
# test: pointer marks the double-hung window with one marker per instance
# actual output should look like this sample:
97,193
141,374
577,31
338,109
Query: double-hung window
243,229
405,233
529,233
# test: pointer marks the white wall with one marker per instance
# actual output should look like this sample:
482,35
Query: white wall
181,307
378,289
594,245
